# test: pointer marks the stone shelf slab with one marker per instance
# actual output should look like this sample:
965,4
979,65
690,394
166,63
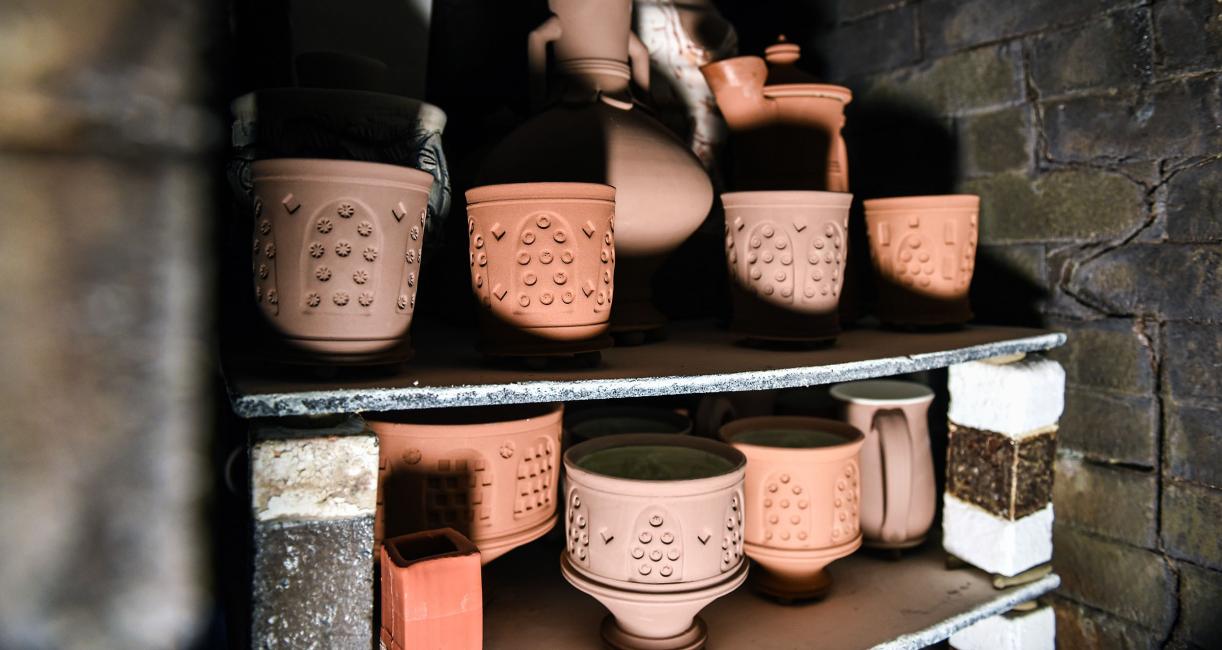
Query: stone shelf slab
874,603
697,357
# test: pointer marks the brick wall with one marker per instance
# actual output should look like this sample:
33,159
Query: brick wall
1091,131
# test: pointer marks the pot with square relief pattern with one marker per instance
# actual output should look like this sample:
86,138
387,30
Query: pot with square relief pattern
653,527
336,255
803,499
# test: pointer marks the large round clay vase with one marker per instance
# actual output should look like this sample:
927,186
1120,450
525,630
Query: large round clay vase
596,134
337,256
542,259
489,473
924,251
654,551
803,496
898,494
786,253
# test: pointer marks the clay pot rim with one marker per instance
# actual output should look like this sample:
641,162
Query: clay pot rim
845,392
431,423
822,91
245,107
853,438
660,414
462,546
541,191
787,198
355,172
633,487
668,593
933,202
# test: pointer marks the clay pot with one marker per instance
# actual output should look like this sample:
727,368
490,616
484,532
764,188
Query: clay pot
542,261
489,473
786,252
595,134
898,495
337,254
802,502
784,126
432,593
654,552
924,251
588,424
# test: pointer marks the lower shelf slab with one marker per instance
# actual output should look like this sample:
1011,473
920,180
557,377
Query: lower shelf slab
874,603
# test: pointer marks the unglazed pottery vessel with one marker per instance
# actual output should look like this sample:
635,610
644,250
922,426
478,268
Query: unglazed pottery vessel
654,552
336,255
786,252
897,493
489,473
802,502
924,251
785,127
590,423
596,134
432,592
542,259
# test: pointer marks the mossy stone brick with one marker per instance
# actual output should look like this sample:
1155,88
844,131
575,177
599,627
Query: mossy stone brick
1178,281
1114,502
1194,440
1111,51
1071,204
1192,359
1110,427
1189,35
997,141
1131,583
1194,202
979,78
1192,522
1112,354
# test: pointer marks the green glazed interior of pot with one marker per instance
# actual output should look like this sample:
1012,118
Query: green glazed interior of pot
789,438
655,463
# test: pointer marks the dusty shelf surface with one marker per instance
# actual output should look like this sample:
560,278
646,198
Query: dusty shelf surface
695,358
874,603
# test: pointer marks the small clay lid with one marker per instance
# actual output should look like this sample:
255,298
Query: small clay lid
782,71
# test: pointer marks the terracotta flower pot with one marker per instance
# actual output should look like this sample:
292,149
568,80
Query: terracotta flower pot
489,473
542,261
337,254
590,423
786,252
432,592
898,495
802,495
924,251
654,528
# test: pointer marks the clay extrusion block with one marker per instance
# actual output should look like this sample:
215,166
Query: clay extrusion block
1002,546
1034,630
1012,399
1008,477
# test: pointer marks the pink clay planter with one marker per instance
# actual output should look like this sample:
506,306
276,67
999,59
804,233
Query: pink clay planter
802,502
432,595
898,496
655,551
490,473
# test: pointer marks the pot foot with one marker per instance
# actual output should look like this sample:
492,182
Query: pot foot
894,546
616,638
789,593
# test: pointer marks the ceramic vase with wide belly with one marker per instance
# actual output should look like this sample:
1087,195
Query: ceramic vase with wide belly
654,532
802,499
490,473
337,256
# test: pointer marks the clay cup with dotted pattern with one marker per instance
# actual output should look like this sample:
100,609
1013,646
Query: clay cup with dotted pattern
336,255
802,497
924,251
786,253
542,258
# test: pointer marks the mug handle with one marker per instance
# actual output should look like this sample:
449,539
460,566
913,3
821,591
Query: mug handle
536,57
895,443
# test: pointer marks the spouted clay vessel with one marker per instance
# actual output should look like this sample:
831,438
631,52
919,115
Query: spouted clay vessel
803,499
489,473
924,251
596,134
654,532
784,126
432,594
542,259
897,477
336,255
786,252
590,423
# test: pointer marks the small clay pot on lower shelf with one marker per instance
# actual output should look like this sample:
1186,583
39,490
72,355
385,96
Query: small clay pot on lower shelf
654,532
337,256
786,253
924,251
542,259
803,499
432,592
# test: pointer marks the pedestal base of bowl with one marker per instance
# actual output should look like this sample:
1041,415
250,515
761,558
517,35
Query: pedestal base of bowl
894,546
795,574
616,638
778,588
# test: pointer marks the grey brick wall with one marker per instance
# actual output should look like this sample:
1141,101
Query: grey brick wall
1093,132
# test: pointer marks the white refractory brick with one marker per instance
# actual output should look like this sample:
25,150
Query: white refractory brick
314,472
1012,398
1034,630
994,544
